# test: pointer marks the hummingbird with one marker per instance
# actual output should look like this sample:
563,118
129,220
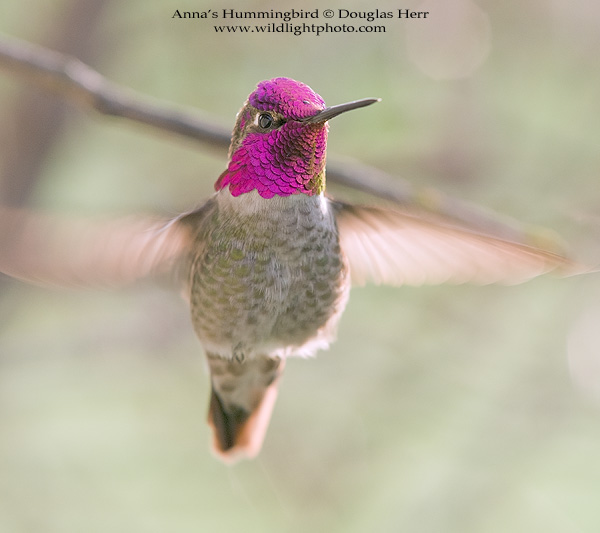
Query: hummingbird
268,261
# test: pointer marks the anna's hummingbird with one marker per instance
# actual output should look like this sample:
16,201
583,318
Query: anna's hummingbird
267,262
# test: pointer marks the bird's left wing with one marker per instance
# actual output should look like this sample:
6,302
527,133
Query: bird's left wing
400,248
63,251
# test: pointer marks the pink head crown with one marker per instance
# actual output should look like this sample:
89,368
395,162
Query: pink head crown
287,158
291,99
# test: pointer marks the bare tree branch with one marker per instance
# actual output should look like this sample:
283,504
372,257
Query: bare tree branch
75,81
36,121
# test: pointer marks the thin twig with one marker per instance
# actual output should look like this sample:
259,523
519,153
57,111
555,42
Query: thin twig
75,81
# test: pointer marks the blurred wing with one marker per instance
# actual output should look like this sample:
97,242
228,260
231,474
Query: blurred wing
386,246
64,251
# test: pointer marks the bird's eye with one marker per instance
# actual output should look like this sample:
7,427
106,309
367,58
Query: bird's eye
265,121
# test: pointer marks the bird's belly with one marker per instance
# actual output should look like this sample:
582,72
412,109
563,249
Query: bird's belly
271,293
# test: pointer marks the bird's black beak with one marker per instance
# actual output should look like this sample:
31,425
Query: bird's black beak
334,111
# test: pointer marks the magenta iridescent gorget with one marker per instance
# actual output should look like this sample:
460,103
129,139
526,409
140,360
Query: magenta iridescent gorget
287,157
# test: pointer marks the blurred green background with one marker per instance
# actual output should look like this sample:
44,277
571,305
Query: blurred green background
439,409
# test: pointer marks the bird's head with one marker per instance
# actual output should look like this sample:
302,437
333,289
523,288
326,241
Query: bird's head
279,140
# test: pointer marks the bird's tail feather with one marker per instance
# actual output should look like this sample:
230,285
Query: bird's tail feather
242,399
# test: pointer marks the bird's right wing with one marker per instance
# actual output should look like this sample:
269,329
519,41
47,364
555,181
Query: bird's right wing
64,251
